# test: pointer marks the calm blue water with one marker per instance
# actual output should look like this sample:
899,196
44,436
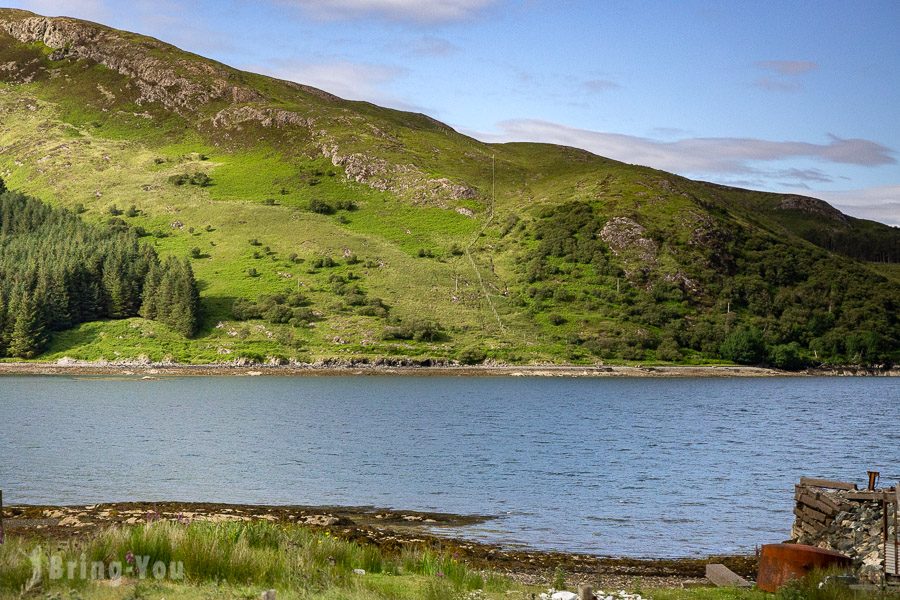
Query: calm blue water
638,467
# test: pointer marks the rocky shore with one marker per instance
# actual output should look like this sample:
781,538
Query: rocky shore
411,367
389,530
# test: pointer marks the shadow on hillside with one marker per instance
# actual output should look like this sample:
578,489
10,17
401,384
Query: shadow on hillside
215,309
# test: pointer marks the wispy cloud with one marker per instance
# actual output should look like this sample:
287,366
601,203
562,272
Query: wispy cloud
880,203
600,85
429,45
349,80
810,175
786,73
417,11
695,155
788,67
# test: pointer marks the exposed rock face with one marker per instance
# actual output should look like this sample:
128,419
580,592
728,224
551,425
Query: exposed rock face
404,180
812,206
624,235
233,116
184,84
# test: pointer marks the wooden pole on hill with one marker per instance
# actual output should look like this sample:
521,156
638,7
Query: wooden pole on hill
1,517
493,183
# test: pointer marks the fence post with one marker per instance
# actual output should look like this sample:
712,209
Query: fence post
1,517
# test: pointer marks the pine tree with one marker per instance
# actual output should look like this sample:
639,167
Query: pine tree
150,296
27,338
3,321
185,314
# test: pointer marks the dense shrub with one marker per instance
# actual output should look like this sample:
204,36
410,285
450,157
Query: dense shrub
787,357
744,346
417,330
199,179
472,355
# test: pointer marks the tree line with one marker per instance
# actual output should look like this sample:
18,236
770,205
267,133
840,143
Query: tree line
754,298
57,271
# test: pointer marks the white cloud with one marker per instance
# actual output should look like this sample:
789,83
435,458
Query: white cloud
419,11
880,203
693,155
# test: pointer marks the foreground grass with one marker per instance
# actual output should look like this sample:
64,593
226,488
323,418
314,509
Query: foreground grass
202,560
236,560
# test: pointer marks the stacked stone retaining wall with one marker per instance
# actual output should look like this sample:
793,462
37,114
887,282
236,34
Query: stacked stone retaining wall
847,520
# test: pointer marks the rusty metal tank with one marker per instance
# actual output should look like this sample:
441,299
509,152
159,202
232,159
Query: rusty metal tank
779,563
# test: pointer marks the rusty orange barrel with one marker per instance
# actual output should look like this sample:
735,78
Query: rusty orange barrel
779,563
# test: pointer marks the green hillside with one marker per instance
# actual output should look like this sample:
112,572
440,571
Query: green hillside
320,228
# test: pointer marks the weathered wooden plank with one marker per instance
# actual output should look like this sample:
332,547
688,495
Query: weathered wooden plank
813,502
826,499
722,576
891,565
865,496
813,514
810,528
827,483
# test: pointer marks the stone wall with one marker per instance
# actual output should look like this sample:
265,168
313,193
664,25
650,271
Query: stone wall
846,520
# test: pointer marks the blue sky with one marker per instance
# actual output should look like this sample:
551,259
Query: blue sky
799,97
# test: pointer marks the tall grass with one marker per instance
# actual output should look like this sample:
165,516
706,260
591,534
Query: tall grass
238,554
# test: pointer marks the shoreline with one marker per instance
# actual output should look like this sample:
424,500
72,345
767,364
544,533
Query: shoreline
389,530
340,369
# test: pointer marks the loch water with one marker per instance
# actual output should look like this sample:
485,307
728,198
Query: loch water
632,467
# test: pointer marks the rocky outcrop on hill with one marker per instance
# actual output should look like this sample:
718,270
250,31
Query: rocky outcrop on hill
405,180
626,238
234,116
812,206
181,84
624,235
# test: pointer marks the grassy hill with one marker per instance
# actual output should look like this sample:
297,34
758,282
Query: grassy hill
320,228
